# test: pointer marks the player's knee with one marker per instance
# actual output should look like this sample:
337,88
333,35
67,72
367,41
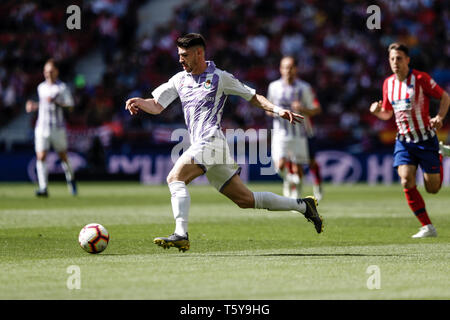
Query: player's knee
407,183
172,177
40,156
433,189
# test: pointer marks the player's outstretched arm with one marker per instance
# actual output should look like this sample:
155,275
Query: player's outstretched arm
377,110
437,121
261,102
148,105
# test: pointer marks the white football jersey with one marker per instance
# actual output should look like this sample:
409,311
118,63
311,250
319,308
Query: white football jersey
50,113
202,98
283,94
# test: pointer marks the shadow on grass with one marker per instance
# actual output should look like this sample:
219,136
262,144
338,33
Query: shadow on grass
326,255
296,255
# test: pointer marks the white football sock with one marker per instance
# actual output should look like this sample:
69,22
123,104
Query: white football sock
181,202
288,181
286,188
287,176
296,190
41,168
67,170
293,178
274,202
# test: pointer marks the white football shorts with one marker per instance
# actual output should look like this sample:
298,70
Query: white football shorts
213,156
295,150
55,138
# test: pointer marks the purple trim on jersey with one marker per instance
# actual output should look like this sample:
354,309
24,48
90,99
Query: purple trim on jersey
203,100
187,118
208,122
211,67
219,111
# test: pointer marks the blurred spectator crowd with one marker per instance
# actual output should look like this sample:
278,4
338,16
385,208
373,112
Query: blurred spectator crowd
338,55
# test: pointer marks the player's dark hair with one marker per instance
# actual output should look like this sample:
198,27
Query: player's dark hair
191,40
399,46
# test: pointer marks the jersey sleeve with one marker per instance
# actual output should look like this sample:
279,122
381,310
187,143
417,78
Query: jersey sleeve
386,104
166,93
309,98
232,86
65,98
430,87
270,92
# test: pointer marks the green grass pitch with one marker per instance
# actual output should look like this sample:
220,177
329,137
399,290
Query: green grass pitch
235,253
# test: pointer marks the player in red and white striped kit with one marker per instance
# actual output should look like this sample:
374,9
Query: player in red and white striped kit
406,94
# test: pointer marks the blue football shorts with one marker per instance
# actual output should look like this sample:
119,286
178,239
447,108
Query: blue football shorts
424,153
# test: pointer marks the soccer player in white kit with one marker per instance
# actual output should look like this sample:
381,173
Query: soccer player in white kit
291,147
203,90
50,131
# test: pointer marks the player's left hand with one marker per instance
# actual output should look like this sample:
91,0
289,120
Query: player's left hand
132,105
436,122
291,116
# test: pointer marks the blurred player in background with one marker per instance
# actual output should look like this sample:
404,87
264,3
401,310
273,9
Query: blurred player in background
203,90
406,94
293,146
50,131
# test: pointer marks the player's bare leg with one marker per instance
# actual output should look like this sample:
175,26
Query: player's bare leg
183,172
407,174
238,192
433,182
70,179
42,174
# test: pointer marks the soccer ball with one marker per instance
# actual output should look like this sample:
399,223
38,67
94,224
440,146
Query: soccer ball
93,238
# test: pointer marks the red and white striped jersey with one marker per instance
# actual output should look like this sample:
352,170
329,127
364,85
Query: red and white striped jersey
410,100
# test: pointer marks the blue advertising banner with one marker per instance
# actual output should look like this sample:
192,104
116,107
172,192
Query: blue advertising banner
337,167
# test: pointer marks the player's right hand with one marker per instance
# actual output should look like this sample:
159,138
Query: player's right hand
376,107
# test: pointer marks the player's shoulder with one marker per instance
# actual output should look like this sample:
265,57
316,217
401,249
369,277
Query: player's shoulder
223,73
302,84
276,83
387,79
178,76
392,76
420,75
225,76
42,85
61,84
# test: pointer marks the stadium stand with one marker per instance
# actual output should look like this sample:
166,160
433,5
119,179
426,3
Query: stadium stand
343,60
